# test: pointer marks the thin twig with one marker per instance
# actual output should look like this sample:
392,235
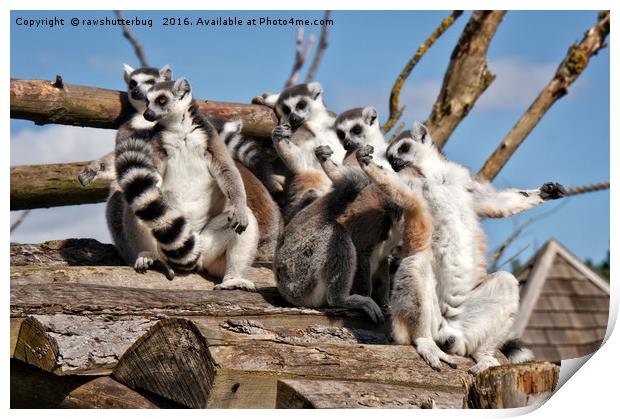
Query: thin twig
467,76
134,42
301,55
21,218
568,71
513,257
318,55
397,131
395,111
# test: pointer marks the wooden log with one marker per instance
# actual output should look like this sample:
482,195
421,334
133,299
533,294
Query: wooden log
518,385
77,345
337,394
68,252
43,103
53,185
32,388
175,360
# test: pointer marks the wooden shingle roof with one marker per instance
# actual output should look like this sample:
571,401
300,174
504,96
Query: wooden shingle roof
564,305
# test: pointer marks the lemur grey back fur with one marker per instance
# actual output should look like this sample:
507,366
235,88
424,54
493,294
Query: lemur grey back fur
469,312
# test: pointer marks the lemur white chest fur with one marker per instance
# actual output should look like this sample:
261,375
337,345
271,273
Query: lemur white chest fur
454,219
188,185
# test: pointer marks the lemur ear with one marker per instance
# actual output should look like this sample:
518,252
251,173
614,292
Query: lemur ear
420,133
181,87
315,89
370,115
165,72
127,70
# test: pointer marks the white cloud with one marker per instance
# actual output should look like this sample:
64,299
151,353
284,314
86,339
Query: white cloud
517,84
60,144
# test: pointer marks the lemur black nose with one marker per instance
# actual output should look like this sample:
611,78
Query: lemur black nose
348,144
149,115
295,120
396,163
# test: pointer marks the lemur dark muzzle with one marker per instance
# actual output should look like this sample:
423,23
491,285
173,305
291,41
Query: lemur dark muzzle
397,164
295,121
348,145
137,94
149,115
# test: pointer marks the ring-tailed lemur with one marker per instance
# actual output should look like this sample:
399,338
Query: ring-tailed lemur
138,81
216,232
305,123
474,311
356,128
328,250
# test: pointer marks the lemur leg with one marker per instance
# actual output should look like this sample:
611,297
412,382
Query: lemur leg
217,239
362,281
102,168
381,284
338,274
486,319
415,309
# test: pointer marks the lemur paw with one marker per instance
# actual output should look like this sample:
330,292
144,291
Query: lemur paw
364,154
86,176
432,355
236,284
259,100
552,190
143,263
373,310
483,364
238,220
282,132
323,152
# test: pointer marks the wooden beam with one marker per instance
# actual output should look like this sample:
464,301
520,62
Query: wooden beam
68,252
32,388
176,360
43,103
52,185
337,394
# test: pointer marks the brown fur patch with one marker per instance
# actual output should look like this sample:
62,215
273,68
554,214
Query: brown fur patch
417,226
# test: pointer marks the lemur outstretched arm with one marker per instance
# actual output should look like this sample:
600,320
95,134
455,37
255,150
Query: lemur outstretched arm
333,170
498,203
286,149
229,180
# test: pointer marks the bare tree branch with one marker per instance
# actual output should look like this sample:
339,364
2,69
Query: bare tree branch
500,250
301,55
467,76
395,111
318,55
134,42
397,131
569,70
19,220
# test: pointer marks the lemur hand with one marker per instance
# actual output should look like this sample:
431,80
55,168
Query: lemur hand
259,100
238,219
86,176
323,152
364,154
282,133
552,190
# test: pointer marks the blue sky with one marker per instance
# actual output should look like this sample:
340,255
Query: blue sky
366,51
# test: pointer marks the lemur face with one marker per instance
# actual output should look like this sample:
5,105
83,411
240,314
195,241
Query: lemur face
353,126
297,104
140,80
168,100
410,148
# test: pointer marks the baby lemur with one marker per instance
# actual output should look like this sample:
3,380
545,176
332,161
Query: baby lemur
183,186
304,124
328,251
469,312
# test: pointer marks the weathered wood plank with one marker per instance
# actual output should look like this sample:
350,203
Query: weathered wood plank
43,103
32,388
518,385
68,252
244,373
16,325
337,394
70,345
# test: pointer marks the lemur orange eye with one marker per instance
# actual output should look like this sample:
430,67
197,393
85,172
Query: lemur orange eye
162,100
356,130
